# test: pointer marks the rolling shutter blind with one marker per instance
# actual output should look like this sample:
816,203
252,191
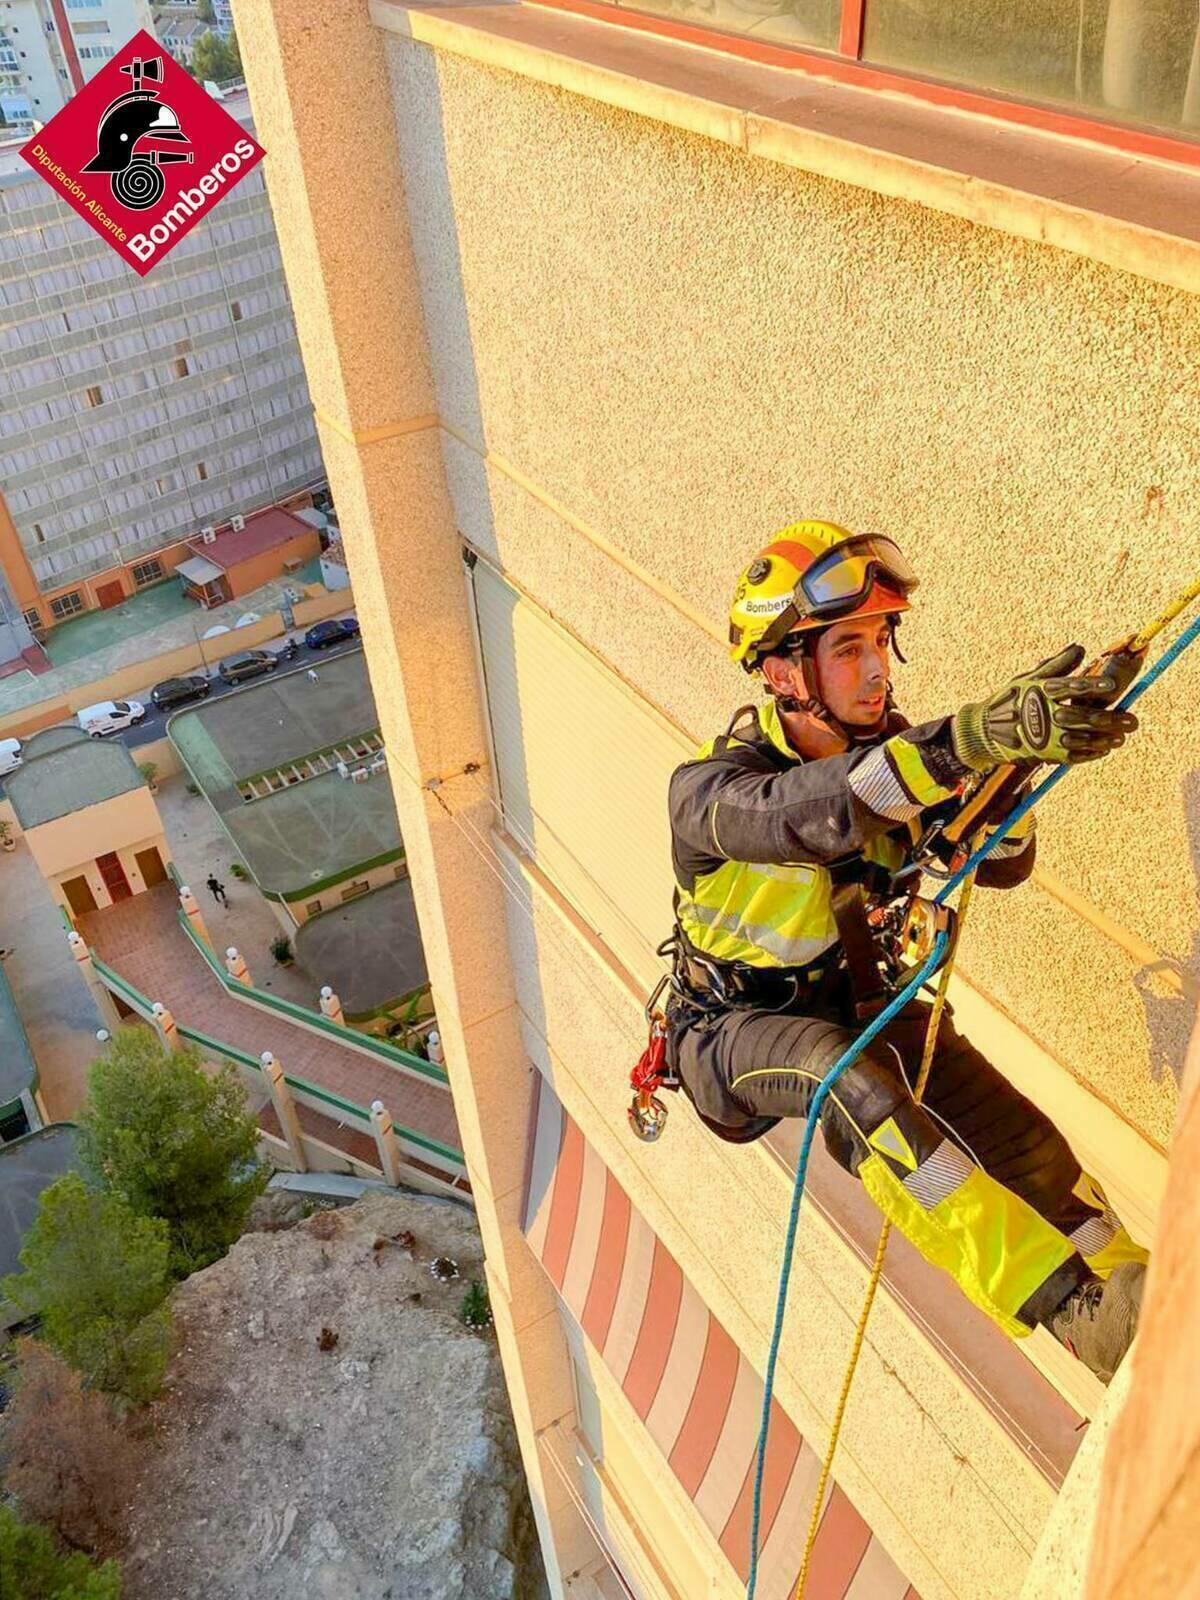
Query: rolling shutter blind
583,767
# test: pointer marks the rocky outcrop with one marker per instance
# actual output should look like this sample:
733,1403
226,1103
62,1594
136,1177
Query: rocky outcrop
330,1428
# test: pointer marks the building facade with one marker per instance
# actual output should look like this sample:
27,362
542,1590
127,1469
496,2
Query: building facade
51,48
149,408
639,297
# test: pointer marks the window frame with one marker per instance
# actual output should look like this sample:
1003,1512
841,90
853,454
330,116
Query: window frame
75,610
845,65
139,567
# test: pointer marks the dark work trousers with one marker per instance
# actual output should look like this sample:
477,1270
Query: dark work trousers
943,1165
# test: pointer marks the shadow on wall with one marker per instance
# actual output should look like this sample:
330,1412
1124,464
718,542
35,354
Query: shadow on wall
1170,990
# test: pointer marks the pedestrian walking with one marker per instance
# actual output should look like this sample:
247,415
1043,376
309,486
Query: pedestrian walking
217,889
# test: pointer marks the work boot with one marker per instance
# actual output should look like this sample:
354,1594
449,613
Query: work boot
1097,1321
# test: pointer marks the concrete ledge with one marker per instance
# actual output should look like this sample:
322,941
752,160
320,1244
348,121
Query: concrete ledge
1136,214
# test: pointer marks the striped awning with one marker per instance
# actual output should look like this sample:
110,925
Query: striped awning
698,1397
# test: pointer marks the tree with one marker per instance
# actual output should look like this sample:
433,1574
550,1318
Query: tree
98,1277
32,1569
67,1458
216,60
173,1141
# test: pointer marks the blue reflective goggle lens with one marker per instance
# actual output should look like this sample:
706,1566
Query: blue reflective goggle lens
845,575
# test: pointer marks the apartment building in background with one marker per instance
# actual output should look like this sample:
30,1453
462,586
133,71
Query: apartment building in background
142,409
640,293
51,48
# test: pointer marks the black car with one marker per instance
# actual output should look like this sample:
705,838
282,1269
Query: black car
178,691
323,634
251,665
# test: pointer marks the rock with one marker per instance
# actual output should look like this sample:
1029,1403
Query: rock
386,1469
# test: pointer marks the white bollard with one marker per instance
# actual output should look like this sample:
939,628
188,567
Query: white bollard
165,1026
331,1006
285,1109
235,965
192,912
385,1142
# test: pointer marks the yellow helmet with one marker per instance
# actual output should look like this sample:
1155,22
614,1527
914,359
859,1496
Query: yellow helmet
813,574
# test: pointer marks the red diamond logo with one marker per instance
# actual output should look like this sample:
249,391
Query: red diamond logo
142,152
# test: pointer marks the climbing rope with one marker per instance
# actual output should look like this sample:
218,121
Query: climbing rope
931,964
860,1332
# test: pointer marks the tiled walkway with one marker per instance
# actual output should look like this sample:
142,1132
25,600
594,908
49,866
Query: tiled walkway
142,941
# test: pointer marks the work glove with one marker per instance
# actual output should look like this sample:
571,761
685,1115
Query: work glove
1050,714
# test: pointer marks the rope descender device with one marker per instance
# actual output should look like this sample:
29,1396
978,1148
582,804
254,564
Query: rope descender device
647,1113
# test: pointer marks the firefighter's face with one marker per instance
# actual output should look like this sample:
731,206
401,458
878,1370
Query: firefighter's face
853,665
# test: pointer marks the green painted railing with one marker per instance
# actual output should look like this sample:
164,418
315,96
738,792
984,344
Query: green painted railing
417,1066
114,980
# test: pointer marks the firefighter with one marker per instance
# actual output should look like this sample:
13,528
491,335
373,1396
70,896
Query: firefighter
785,832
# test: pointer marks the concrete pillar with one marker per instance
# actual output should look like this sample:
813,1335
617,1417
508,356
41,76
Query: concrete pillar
331,1005
371,384
165,1026
285,1109
192,912
105,1005
433,1044
235,965
386,1142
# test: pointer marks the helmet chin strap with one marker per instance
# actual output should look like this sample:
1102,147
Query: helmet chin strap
828,725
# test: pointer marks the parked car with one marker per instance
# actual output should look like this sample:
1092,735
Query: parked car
252,665
10,755
323,634
110,716
178,691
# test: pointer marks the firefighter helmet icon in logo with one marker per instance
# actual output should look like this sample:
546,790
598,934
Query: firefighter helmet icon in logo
133,170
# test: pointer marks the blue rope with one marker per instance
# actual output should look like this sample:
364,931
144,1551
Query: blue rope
852,1053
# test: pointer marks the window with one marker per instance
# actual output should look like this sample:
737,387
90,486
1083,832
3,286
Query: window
182,367
66,605
147,572
235,310
1103,62
38,534
94,395
33,617
201,471
353,890
312,908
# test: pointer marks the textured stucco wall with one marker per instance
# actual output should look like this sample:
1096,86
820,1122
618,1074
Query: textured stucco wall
681,349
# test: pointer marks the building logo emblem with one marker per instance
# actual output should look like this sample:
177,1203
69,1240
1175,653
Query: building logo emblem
142,152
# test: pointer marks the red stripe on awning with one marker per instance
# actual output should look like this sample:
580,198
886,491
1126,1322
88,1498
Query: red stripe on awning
783,1451
610,1258
567,1181
842,1541
706,1415
656,1332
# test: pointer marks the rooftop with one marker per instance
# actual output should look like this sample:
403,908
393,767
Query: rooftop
315,830
18,1069
264,530
65,771
272,721
368,950
27,1166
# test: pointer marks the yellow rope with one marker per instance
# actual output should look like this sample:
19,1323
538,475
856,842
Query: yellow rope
1183,599
931,1033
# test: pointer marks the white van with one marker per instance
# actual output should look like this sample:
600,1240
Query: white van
110,716
10,755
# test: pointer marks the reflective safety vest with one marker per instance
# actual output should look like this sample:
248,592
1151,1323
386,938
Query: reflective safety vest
757,912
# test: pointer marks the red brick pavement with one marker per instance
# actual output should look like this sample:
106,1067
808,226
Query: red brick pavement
141,940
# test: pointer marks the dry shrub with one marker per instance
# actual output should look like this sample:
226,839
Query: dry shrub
67,1457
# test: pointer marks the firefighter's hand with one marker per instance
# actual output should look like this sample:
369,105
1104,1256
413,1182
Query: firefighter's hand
1051,714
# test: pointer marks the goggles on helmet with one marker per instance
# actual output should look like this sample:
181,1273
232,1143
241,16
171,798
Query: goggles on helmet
840,581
